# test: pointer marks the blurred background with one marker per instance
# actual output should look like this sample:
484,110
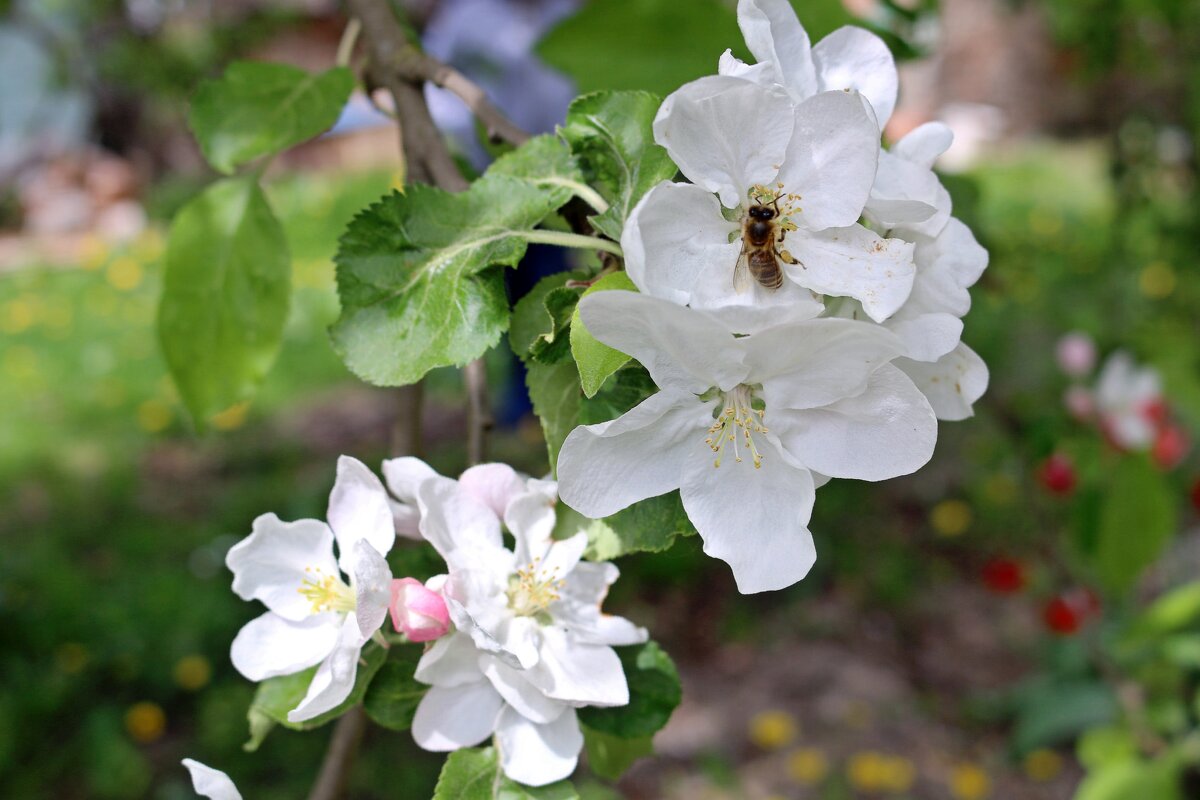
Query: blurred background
992,627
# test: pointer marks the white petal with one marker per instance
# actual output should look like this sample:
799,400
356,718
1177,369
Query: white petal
562,556
605,467
814,363
854,262
407,519
681,348
211,783
538,754
946,267
515,687
276,558
854,58
270,645
404,475
452,718
763,74
952,384
334,679
451,519
359,509
372,588
830,161
677,246
579,673
521,636
484,640
531,518
924,143
901,194
578,610
493,485
450,661
774,35
926,337
756,520
886,431
725,134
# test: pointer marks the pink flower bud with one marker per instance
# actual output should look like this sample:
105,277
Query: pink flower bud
1076,354
417,612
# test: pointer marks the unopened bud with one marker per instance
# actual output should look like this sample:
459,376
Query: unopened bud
417,612
1076,354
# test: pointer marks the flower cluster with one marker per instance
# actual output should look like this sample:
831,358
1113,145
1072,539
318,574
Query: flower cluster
516,637
800,300
1126,403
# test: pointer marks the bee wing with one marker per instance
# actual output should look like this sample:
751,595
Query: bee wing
741,273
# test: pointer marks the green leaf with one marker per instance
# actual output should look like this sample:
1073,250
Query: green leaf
654,692
475,774
392,698
611,133
1137,519
649,525
626,388
609,756
275,697
546,162
1105,745
554,392
257,108
1124,780
1060,710
1175,610
225,296
595,359
642,44
419,280
531,319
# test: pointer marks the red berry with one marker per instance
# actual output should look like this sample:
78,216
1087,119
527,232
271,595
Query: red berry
1061,617
1057,474
1170,446
1003,575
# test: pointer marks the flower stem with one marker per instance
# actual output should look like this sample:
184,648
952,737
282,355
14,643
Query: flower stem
563,239
590,196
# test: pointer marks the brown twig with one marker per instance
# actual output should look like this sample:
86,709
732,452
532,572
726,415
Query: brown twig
395,65
479,414
339,755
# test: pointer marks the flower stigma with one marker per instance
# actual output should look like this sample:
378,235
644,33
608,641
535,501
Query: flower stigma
530,591
326,592
738,414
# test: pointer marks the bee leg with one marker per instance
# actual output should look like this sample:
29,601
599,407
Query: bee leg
788,258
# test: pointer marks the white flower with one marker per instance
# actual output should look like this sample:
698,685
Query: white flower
531,644
741,425
929,322
812,164
211,783
1129,402
848,58
314,615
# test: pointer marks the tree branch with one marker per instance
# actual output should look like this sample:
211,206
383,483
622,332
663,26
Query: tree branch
339,755
479,412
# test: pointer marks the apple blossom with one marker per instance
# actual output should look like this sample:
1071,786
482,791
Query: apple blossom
848,58
1127,400
314,616
813,164
418,611
835,406
530,644
211,783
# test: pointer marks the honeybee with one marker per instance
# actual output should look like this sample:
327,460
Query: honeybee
762,234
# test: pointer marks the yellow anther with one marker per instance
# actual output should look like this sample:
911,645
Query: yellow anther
326,593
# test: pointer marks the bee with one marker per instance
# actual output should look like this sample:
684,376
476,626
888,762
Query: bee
762,234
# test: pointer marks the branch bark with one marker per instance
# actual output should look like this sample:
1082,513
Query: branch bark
395,65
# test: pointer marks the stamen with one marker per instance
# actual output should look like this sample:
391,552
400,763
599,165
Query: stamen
738,414
532,590
327,592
